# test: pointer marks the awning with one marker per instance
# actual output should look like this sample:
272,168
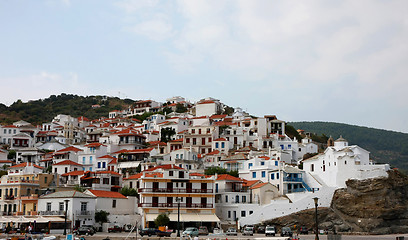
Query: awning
39,219
186,217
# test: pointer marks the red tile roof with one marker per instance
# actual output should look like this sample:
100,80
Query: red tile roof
167,166
249,183
177,140
69,149
73,173
206,102
107,194
95,144
136,176
5,161
259,185
228,177
218,116
265,157
21,165
155,143
67,162
215,152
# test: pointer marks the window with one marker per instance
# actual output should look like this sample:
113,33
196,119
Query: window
277,175
177,156
194,141
208,130
84,206
83,160
61,206
244,199
223,145
263,174
243,213
345,162
45,180
114,203
254,175
199,131
105,180
273,176
193,130
48,206
249,165
236,199
216,145
187,140
226,198
171,173
99,164
229,214
181,156
262,163
250,212
312,167
289,146
90,159
216,188
66,169
276,163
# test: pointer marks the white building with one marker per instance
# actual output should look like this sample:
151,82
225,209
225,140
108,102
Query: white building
208,107
342,162
81,207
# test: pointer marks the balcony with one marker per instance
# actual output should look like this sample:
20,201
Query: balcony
175,205
23,181
84,213
292,179
174,190
51,213
9,197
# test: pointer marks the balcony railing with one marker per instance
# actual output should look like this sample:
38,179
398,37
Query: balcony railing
9,197
175,205
51,213
292,179
175,190
84,213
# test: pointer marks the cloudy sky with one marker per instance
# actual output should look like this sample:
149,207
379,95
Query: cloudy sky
342,61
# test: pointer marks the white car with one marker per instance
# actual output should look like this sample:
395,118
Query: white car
248,231
270,230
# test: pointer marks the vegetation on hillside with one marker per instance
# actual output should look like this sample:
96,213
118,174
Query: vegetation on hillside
384,146
44,110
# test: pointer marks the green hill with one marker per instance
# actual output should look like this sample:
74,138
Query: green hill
44,110
385,146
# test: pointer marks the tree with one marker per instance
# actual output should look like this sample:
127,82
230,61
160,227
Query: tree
215,170
166,134
79,188
162,220
129,191
11,154
101,216
228,110
180,108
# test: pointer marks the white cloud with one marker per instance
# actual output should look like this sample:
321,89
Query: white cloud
41,85
154,29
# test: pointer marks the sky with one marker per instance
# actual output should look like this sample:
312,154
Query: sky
340,61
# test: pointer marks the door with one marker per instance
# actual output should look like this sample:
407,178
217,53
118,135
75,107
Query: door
203,202
155,201
203,187
189,187
169,187
155,186
169,201
189,201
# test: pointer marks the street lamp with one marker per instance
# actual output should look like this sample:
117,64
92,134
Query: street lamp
178,200
316,200
66,213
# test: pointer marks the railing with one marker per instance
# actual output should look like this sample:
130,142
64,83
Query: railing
51,213
175,205
175,190
84,213
292,179
9,197
129,142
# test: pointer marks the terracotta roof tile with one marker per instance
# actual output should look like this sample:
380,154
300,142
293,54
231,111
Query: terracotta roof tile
21,165
107,194
67,162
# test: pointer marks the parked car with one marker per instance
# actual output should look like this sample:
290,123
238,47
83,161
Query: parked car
270,230
202,230
148,231
165,233
260,229
115,229
84,231
191,231
248,231
231,232
304,230
286,231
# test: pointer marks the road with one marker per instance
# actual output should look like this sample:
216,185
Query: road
114,236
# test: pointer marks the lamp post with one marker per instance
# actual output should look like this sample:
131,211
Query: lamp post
178,216
66,213
316,200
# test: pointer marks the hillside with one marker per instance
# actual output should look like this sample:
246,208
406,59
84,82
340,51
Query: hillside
385,146
376,206
44,110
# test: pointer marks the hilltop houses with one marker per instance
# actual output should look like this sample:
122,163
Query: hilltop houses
176,154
